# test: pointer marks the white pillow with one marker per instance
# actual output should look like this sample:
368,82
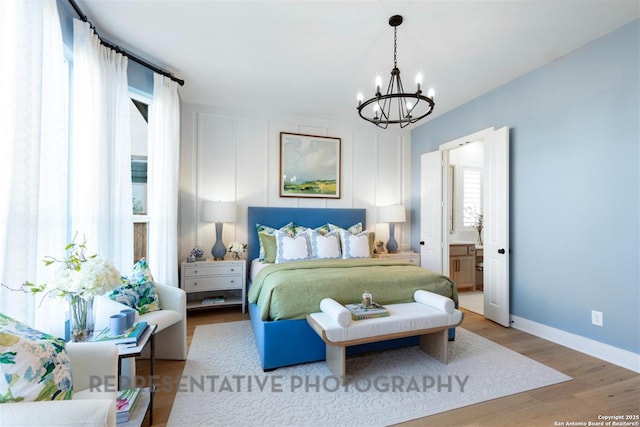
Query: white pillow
355,245
336,311
327,246
289,248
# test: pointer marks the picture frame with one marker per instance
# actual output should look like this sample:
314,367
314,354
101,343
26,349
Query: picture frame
309,166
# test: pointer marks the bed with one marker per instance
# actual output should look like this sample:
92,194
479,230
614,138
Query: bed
290,340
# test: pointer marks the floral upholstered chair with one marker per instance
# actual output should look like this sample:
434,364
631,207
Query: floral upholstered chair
45,381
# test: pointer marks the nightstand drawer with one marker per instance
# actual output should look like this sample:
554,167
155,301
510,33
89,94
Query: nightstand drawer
213,269
211,283
412,257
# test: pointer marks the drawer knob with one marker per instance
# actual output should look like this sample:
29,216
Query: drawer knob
195,271
232,269
195,283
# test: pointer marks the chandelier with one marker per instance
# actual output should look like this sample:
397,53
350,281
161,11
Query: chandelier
396,106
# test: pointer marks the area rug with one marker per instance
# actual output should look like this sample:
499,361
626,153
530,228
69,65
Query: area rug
224,385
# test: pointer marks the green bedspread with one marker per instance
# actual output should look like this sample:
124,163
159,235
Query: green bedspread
292,290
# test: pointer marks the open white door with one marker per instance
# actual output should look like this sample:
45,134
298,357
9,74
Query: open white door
431,211
496,226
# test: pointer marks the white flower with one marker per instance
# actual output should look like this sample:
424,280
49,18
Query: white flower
95,277
78,274
237,248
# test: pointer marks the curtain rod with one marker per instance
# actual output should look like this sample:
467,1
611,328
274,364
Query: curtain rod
118,49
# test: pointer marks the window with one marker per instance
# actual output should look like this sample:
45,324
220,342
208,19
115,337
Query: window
471,196
139,114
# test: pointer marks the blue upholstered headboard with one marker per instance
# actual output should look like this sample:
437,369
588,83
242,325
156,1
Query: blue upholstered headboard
308,217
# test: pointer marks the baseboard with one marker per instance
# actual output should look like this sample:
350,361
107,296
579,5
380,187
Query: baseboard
609,353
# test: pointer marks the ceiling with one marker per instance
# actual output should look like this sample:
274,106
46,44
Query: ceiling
310,58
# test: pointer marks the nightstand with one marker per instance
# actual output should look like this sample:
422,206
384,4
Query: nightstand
412,257
211,284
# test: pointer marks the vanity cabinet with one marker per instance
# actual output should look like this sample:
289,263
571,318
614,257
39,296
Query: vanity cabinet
462,265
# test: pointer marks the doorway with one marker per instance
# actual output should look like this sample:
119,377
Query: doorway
463,207
438,250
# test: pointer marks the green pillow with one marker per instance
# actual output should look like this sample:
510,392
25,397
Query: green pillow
34,366
268,243
265,229
372,242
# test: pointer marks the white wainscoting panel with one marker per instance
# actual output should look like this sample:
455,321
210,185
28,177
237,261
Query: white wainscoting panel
227,155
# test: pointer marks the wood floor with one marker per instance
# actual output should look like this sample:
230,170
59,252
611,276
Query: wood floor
597,388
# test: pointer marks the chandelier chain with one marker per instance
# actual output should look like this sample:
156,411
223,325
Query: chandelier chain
395,47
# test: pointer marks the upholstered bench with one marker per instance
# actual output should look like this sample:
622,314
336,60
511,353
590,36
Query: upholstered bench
430,317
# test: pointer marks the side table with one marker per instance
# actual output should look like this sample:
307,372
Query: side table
145,401
211,284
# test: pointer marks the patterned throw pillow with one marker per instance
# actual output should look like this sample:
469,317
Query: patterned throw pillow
289,248
354,229
355,245
288,228
138,289
325,246
34,365
322,230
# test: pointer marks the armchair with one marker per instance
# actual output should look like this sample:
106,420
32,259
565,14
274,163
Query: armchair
171,334
94,368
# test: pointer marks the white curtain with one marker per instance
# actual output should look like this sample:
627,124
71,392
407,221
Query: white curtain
100,158
163,160
33,165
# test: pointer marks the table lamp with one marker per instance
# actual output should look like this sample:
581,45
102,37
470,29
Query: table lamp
392,215
218,212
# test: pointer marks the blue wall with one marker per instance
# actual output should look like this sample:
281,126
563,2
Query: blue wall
575,185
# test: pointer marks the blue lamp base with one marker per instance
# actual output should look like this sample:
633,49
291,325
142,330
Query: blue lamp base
392,245
219,249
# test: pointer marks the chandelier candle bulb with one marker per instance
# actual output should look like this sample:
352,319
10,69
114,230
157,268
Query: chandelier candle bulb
378,84
419,81
360,98
431,93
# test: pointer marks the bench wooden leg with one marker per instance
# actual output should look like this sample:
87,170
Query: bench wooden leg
336,360
435,344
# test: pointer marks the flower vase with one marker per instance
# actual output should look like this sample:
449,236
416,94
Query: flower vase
235,255
82,317
479,243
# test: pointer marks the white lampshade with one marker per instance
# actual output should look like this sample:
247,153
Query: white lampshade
391,214
218,211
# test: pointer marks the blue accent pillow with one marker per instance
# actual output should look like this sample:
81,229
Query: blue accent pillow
355,245
325,246
138,290
289,248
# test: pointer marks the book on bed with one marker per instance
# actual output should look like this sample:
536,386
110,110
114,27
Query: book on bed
360,312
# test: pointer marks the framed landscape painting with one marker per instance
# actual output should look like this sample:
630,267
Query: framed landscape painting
309,166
